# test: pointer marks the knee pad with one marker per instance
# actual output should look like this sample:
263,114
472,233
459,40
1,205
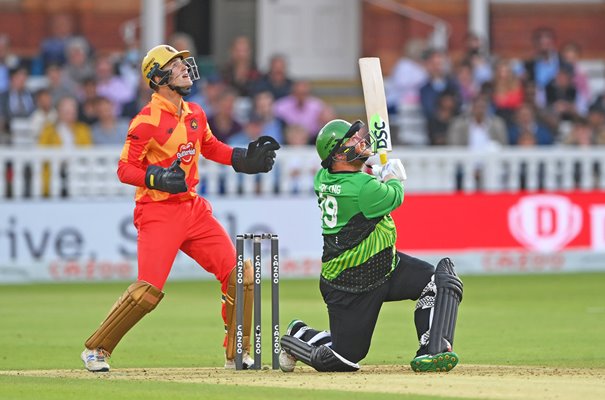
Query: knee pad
139,299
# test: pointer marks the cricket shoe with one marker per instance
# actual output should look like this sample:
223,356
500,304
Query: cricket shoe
294,326
441,362
248,362
94,360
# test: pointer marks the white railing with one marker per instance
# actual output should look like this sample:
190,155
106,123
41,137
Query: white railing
91,173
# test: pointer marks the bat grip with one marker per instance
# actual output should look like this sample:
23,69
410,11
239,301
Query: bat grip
383,156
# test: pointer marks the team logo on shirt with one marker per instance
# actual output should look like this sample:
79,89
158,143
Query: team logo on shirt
193,124
186,152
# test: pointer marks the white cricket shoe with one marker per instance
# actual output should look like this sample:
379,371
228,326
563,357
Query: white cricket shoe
247,360
287,363
94,360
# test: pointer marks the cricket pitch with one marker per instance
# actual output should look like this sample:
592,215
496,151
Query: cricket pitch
469,381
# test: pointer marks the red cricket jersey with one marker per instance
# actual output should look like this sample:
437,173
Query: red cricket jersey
157,135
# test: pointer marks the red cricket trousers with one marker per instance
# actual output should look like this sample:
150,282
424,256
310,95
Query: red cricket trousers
164,228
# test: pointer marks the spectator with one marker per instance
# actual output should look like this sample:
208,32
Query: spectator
18,101
570,55
469,88
240,72
300,108
543,115
599,102
263,108
596,122
327,114
253,129
300,168
111,85
543,67
276,80
57,85
407,77
45,113
439,82
525,123
508,93
580,135
8,61
67,132
109,129
480,132
222,123
183,41
78,67
476,55
129,67
526,138
296,135
208,94
142,97
477,129
438,124
87,111
561,94
53,48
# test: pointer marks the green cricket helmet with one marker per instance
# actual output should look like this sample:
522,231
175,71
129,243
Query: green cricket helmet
331,137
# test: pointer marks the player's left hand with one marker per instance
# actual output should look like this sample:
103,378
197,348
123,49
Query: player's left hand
393,167
259,157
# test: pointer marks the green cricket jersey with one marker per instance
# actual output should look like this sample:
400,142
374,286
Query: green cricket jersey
359,233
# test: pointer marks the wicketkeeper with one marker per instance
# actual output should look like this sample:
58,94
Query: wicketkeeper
361,269
160,157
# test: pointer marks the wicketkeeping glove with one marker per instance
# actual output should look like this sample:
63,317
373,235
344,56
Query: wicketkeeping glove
392,167
171,179
259,157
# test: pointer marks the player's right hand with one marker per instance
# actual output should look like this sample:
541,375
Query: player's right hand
394,168
170,180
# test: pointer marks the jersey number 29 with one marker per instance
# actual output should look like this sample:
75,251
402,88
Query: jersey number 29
329,210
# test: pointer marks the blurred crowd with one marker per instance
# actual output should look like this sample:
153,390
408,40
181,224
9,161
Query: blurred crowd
72,95
483,101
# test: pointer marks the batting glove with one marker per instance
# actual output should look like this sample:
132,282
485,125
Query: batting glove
393,167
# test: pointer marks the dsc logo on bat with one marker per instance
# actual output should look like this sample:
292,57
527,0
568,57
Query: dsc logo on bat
380,131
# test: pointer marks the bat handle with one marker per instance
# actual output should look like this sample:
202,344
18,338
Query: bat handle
383,156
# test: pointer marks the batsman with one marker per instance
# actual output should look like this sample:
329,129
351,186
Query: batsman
160,158
361,269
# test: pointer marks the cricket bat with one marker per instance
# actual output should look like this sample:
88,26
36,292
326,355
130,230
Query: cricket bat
376,105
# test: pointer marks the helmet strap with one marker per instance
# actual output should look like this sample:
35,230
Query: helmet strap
181,90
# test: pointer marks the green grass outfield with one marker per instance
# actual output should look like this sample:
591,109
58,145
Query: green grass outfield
532,320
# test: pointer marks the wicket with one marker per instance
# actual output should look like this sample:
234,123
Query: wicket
239,294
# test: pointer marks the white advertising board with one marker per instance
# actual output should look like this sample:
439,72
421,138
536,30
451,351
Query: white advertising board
78,241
